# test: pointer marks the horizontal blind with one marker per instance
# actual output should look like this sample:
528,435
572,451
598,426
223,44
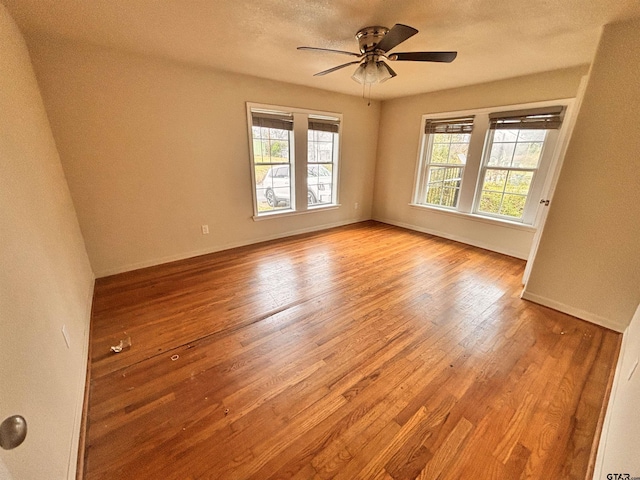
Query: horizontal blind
449,125
324,124
532,119
281,121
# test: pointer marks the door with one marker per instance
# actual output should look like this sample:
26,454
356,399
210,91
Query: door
552,180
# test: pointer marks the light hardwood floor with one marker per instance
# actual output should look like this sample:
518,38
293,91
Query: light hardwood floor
362,352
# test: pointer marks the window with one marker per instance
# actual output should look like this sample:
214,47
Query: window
322,150
508,171
446,159
272,136
491,164
278,166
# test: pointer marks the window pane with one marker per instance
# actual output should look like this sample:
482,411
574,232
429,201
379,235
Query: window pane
505,136
501,154
519,182
460,137
449,196
504,192
273,188
527,154
495,180
270,145
449,149
532,135
434,195
458,153
490,202
441,137
440,153
320,184
443,186
320,146
513,205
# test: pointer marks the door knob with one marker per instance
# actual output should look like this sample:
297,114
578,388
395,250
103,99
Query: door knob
13,431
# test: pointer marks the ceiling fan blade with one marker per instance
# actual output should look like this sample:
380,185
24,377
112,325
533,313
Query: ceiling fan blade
330,50
398,34
446,57
324,72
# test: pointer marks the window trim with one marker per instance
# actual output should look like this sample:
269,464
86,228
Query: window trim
298,161
472,175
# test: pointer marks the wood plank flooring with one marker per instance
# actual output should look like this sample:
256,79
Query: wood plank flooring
362,352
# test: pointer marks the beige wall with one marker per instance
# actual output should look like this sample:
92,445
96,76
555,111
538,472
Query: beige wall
399,143
588,263
45,278
153,150
620,441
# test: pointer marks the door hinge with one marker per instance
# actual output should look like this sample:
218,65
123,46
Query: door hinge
546,202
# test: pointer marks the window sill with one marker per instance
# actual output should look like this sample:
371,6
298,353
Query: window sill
292,213
477,218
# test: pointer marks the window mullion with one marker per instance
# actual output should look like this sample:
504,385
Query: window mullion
299,161
474,162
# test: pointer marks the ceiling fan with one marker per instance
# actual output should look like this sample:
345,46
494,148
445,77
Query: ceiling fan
375,43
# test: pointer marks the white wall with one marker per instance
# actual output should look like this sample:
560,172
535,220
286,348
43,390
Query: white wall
399,143
620,440
45,278
154,149
588,262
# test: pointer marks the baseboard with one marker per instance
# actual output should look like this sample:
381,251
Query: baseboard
455,238
219,248
574,312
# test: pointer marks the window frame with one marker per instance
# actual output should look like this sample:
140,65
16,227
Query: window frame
298,160
478,154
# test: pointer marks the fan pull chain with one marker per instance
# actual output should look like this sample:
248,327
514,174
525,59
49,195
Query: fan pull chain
364,92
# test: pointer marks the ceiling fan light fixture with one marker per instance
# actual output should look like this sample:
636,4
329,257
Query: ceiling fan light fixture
372,72
359,74
384,72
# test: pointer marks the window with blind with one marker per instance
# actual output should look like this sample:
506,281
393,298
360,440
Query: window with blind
446,157
272,138
322,152
286,178
488,163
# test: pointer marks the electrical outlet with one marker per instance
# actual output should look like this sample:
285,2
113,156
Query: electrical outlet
65,334
205,229
356,205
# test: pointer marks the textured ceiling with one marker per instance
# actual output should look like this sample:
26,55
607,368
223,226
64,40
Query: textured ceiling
495,39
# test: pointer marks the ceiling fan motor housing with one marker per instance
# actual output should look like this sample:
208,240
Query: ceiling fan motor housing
369,37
